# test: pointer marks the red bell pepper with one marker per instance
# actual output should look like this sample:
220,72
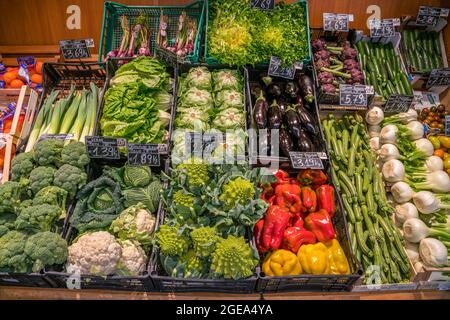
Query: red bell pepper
268,194
281,176
320,224
258,232
312,177
296,221
309,199
288,197
275,222
325,197
294,237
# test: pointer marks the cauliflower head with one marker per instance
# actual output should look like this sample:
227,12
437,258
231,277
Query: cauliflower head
38,218
196,170
133,259
45,249
48,152
233,259
12,252
204,240
70,178
75,154
21,166
41,177
134,223
96,253
170,243
237,191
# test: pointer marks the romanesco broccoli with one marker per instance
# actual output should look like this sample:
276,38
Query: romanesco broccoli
169,242
204,240
41,177
196,171
75,154
21,166
70,178
195,267
48,152
38,218
180,198
45,249
237,191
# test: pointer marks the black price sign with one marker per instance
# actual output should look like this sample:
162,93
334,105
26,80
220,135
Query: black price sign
263,4
398,103
382,28
306,160
104,147
144,155
429,16
276,69
74,49
352,95
439,77
335,22
55,137
198,144
447,126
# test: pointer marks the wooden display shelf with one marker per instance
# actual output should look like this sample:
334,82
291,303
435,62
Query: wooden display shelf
21,293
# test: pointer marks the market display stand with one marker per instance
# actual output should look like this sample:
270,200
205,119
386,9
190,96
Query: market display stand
18,293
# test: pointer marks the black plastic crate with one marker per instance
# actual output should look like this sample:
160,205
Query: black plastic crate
327,282
283,162
35,280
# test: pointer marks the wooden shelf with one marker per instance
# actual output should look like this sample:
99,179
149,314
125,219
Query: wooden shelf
20,293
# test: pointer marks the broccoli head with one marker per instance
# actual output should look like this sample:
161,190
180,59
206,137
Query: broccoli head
7,223
48,152
41,177
12,252
170,243
51,195
38,218
45,249
75,154
70,178
9,197
21,166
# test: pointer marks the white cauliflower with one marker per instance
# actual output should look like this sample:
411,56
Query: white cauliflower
95,253
134,223
133,260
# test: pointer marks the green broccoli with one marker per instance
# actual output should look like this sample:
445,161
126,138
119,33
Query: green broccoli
7,223
70,178
41,177
38,218
48,152
9,197
51,195
45,249
12,252
21,166
75,154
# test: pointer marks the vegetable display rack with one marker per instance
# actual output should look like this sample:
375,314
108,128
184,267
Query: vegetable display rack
111,35
303,3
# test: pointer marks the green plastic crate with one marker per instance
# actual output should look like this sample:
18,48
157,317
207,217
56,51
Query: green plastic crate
304,3
111,35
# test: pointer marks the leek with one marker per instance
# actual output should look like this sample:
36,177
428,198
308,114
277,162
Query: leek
80,120
70,115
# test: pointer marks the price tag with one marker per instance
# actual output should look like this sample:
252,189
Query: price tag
276,70
352,95
429,16
382,28
144,155
335,22
439,77
56,137
198,144
104,147
306,160
447,126
74,49
398,103
263,4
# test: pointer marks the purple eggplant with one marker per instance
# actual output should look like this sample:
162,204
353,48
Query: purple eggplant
299,101
274,91
275,117
304,144
283,105
306,86
286,144
260,112
306,120
291,90
255,90
293,122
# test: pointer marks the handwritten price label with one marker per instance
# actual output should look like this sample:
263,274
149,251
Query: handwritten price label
335,22
352,95
306,160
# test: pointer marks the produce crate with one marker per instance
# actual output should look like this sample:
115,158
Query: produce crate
284,162
165,283
62,279
328,282
111,35
35,280
303,3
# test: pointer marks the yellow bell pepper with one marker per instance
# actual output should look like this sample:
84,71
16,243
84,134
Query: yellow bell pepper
281,263
323,258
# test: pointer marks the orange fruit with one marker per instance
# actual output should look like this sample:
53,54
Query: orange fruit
16,84
36,78
9,76
439,153
38,67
